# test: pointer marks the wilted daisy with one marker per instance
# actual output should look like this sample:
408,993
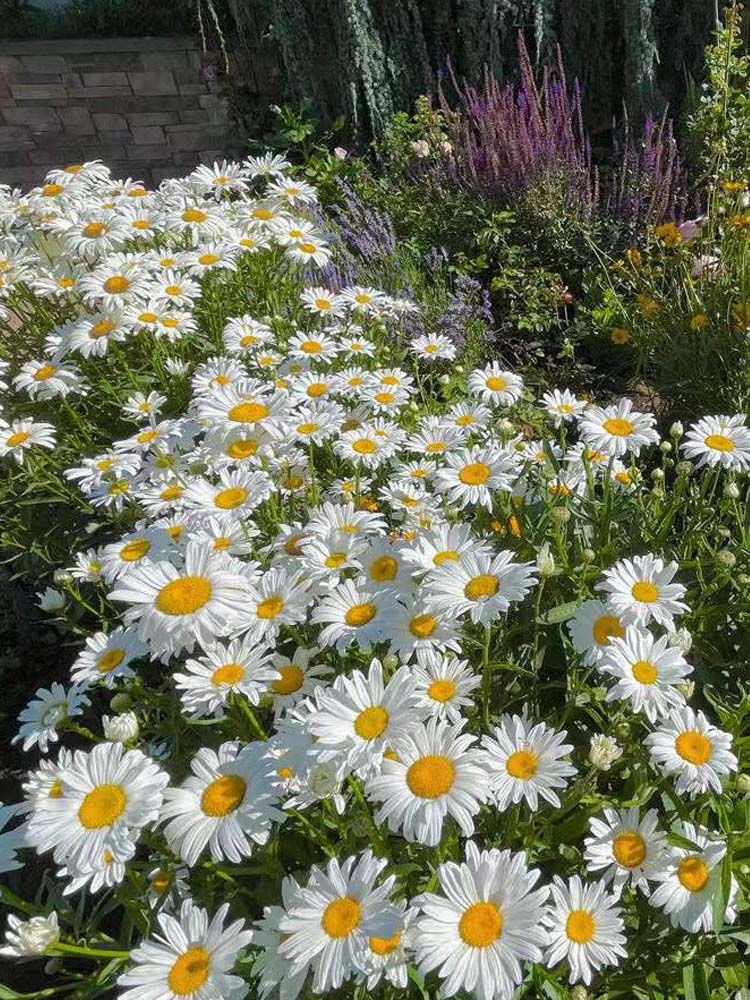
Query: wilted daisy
44,713
625,849
640,590
648,672
481,586
330,920
240,667
362,717
227,804
486,922
691,879
585,928
524,760
688,746
106,797
30,938
563,406
437,773
719,441
192,957
618,429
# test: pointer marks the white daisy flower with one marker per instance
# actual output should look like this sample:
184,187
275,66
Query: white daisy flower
719,441
585,928
107,658
617,429
48,378
240,667
445,543
648,672
226,804
362,717
437,773
472,475
485,924
481,586
687,745
30,938
44,713
330,920
433,348
298,678
106,798
444,685
353,613
495,386
192,957
625,849
691,879
271,970
592,629
24,433
524,761
640,590
563,406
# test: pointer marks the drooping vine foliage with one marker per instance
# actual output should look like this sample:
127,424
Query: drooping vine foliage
368,58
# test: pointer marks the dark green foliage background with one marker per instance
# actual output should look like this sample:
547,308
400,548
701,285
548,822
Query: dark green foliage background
368,58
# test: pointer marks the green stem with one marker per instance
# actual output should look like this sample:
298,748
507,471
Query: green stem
486,677
84,952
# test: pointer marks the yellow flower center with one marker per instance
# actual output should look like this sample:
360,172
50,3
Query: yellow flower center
495,383
618,426
189,972
484,585
605,628
645,592
101,329
230,498
18,438
441,691
580,926
109,660
371,722
475,474
316,389
384,398
66,282
194,215
50,190
465,420
364,446
147,436
629,849
335,560
230,673
171,493
102,806
481,925
422,626
43,373
290,681
307,428
94,229
323,304
448,555
161,881
693,874
431,776
720,442
307,247
311,347
117,284
242,448
693,747
522,764
184,596
360,614
384,568
248,413
645,672
341,917
384,946
223,795
271,607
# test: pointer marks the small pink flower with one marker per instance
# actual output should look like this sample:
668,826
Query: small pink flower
340,153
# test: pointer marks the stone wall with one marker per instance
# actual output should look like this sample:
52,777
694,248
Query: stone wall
149,107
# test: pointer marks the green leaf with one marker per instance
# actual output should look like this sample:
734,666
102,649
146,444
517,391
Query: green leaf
558,614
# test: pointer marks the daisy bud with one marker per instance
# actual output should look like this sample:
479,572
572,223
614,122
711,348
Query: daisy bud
30,937
459,369
51,600
505,427
579,993
120,728
61,576
545,561
726,559
732,491
665,447
657,475
687,689
604,751
743,579
121,702
682,639
623,731
743,784
676,430
391,661
588,555
560,515
684,468
445,379
724,533
669,463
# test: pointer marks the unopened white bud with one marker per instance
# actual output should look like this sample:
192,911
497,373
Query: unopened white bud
120,728
604,751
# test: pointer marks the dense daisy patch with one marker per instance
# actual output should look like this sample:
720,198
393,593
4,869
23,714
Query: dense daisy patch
380,674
